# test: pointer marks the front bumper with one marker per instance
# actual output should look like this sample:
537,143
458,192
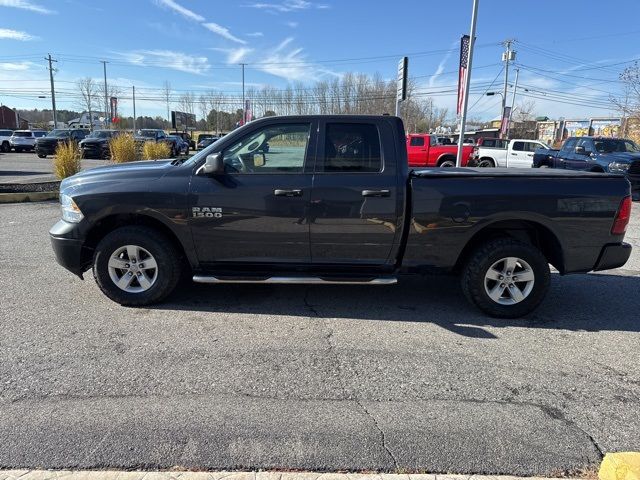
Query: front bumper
70,252
46,148
613,256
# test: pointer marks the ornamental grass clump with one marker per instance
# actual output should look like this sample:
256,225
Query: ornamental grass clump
123,149
67,160
155,151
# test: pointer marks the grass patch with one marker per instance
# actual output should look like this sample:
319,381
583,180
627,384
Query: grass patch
155,151
67,160
123,149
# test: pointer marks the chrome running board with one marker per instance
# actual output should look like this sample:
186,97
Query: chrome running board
297,280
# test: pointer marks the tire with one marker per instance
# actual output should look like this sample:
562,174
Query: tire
41,155
158,283
6,148
447,163
490,260
486,163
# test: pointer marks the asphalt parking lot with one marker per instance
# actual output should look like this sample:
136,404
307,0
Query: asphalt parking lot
26,167
395,378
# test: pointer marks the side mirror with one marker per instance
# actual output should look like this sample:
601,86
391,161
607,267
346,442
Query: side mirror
259,159
213,164
581,150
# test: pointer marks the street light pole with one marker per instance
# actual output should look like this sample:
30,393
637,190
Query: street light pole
134,108
106,93
465,99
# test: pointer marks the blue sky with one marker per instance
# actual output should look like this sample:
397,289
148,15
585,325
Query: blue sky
569,56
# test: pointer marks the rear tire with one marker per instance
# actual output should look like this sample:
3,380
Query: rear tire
447,163
140,283
506,278
41,155
5,147
486,163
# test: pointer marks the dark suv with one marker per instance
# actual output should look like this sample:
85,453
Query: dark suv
188,139
96,144
47,145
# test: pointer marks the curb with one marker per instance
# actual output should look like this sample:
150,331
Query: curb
21,197
177,475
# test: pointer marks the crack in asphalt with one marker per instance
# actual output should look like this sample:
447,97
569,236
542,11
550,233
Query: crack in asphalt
336,360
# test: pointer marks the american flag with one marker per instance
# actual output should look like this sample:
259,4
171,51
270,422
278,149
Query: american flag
462,74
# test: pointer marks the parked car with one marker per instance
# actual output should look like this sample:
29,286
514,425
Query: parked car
156,135
48,144
598,154
347,211
423,150
206,139
514,153
96,144
22,140
5,136
186,137
181,145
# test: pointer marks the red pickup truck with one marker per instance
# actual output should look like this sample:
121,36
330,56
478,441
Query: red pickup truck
423,150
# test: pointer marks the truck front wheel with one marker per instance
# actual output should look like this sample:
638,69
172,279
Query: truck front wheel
506,278
136,265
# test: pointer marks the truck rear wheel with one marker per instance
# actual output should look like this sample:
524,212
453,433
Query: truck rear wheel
136,266
447,163
506,278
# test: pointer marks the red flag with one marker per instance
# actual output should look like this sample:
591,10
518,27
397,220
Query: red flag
462,73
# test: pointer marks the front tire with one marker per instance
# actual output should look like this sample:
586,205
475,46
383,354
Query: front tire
506,278
486,163
136,266
6,148
41,155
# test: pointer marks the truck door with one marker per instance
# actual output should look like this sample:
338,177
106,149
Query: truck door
578,161
256,212
356,202
417,150
517,154
565,155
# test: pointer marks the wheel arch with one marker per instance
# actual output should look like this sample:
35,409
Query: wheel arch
110,223
527,231
443,157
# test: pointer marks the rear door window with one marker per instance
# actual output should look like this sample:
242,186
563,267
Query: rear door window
351,147
518,146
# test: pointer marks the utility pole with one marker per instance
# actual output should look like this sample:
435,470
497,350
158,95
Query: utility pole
507,56
106,94
134,109
513,100
53,93
465,99
243,112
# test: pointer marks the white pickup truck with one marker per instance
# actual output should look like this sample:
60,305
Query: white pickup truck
517,153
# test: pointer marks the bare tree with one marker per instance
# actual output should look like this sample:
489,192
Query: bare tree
88,96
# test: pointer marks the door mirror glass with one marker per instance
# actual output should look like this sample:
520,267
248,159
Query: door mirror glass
580,150
259,159
213,164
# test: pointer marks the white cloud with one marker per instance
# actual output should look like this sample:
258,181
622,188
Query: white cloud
287,6
292,24
223,32
15,66
290,63
26,5
9,34
176,7
235,55
255,34
180,61
443,62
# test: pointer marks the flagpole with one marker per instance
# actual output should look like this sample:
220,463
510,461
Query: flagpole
467,80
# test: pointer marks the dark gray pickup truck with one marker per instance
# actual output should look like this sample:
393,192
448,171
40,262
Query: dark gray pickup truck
332,201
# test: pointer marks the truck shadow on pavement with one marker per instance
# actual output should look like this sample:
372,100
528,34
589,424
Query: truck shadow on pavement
593,302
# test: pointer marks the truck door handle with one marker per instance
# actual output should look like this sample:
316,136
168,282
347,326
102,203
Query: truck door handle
287,193
514,154
375,193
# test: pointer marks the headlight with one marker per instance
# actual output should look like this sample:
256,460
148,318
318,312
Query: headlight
70,211
617,167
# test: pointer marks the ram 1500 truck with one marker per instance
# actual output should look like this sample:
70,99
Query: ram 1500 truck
514,153
424,150
333,201
596,154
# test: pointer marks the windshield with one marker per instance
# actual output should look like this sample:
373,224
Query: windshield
147,133
22,134
611,145
58,133
39,134
100,134
204,137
